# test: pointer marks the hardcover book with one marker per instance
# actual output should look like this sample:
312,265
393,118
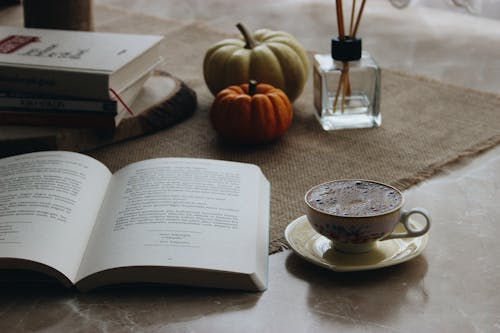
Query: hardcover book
183,221
76,64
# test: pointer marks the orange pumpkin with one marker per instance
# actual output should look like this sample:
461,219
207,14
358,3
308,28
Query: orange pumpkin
251,113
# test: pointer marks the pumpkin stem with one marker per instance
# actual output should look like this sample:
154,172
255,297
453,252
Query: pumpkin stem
250,41
252,87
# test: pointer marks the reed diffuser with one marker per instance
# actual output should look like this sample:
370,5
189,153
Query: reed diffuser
347,81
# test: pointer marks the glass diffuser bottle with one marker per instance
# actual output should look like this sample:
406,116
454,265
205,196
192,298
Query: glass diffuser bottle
347,85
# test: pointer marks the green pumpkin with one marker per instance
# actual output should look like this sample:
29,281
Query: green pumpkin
272,57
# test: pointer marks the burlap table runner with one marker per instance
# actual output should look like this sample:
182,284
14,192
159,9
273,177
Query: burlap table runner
426,125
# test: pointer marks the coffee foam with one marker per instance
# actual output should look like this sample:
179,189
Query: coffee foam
354,198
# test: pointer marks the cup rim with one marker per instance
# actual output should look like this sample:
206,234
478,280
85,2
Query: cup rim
357,216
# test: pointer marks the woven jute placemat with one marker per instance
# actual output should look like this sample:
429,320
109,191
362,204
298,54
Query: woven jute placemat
426,125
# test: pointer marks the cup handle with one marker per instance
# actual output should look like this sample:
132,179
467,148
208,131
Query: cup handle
410,231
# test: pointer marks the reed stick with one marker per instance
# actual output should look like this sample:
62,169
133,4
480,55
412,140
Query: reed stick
353,9
341,79
346,74
358,19
340,19
347,79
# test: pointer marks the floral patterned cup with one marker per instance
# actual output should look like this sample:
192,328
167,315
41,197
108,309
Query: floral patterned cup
355,214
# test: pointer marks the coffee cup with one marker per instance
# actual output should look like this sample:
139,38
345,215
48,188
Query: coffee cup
355,214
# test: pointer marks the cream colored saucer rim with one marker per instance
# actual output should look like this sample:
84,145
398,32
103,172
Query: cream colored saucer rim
315,248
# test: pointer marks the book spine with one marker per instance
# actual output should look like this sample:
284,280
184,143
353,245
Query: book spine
14,102
49,119
68,83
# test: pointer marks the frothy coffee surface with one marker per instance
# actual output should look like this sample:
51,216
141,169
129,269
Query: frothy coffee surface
354,198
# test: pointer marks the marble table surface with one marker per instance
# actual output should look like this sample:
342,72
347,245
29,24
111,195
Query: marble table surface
451,287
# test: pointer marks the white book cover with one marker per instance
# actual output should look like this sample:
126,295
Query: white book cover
46,61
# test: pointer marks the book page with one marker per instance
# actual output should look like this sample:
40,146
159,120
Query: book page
48,205
178,212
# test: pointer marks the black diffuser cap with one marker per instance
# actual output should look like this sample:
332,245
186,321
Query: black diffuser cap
347,49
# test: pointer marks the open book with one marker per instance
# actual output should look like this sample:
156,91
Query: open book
168,220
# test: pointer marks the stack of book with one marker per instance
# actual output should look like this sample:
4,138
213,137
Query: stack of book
72,78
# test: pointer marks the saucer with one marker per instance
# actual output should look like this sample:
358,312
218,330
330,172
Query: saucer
317,249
